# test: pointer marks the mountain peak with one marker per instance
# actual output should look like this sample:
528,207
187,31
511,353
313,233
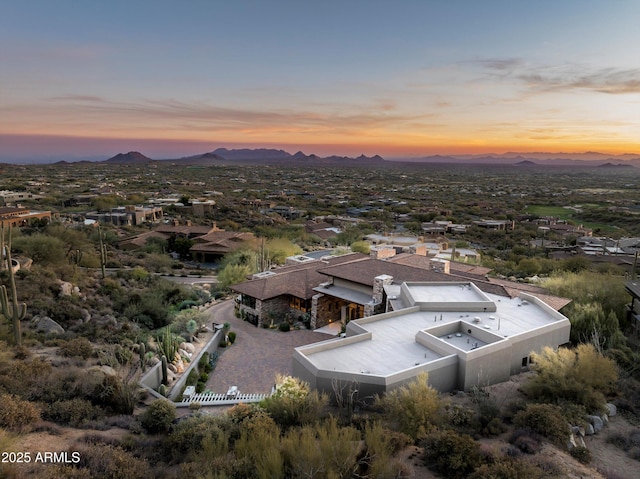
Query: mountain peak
131,157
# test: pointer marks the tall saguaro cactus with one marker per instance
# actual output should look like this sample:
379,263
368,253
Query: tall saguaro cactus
10,308
103,253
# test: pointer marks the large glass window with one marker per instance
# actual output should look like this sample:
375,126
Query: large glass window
248,301
303,305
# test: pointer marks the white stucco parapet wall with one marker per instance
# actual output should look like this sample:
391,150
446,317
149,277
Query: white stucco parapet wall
456,333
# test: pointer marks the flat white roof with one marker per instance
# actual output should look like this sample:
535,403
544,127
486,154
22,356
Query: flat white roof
445,293
393,348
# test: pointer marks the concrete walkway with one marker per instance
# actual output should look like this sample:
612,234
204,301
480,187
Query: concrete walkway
257,355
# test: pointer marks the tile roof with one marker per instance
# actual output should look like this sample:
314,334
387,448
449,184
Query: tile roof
365,270
221,241
296,280
183,229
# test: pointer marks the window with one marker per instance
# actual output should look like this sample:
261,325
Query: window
248,301
303,305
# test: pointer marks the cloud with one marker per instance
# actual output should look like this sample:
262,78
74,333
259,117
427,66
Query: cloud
201,116
565,77
500,64
605,80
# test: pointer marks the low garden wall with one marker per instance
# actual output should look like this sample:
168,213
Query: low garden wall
152,379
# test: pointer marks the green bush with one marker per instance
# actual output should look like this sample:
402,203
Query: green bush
382,445
192,378
232,336
187,436
204,360
294,404
452,454
157,418
412,408
325,447
545,419
581,376
284,327
71,412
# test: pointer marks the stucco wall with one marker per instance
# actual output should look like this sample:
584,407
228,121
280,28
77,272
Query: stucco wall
152,378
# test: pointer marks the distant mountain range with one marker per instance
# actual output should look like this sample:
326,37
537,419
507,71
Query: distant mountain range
249,156
533,159
224,156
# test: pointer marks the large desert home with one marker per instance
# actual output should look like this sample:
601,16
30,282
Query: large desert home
405,314
458,334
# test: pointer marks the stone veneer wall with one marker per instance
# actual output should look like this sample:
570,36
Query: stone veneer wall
323,312
275,309
315,300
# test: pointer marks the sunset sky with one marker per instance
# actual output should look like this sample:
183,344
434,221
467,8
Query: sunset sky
395,78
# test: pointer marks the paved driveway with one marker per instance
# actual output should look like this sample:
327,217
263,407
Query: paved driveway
257,355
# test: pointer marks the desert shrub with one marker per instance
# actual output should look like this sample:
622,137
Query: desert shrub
16,413
327,448
118,395
582,454
452,454
158,416
381,447
581,376
71,412
200,387
258,447
187,437
21,352
611,474
510,468
100,460
458,416
232,336
121,421
546,420
413,408
65,311
293,403
526,441
78,347
488,413
629,444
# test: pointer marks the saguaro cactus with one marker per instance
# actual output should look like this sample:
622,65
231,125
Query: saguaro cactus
103,253
165,374
11,309
143,359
